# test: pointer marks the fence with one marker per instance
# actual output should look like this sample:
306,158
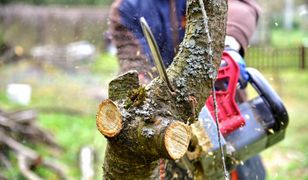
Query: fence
277,58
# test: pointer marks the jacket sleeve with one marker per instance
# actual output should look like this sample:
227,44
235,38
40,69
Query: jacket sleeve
242,20
255,6
128,38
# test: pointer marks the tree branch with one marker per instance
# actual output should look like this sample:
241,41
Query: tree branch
143,124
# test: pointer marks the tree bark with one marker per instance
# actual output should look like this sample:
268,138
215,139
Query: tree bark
143,124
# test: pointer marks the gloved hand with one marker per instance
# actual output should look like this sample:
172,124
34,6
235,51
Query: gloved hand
244,77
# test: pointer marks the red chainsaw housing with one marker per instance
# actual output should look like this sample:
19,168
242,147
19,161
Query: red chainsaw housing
229,115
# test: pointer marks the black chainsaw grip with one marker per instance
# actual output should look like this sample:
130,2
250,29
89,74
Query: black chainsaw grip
270,97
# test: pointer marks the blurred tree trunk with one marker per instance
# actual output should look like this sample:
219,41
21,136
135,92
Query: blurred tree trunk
264,32
288,14
143,124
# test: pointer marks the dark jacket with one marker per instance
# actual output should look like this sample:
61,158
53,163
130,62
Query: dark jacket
167,26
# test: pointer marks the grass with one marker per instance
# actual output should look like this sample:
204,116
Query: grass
285,50
105,64
67,105
289,158
287,38
73,133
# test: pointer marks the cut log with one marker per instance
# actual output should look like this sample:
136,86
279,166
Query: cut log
162,137
177,139
108,119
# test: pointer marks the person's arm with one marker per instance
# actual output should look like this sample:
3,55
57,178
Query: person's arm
129,41
242,21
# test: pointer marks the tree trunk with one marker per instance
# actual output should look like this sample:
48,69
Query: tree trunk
263,32
143,124
288,14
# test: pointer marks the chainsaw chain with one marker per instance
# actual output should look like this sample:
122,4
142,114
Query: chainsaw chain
213,77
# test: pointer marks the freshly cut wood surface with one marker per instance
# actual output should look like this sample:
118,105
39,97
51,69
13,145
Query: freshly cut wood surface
177,139
108,119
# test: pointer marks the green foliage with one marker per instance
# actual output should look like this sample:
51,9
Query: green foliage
5,103
65,110
285,38
277,22
136,97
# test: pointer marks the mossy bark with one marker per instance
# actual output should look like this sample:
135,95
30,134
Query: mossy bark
154,120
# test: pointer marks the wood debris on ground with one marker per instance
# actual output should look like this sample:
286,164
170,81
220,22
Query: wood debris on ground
19,133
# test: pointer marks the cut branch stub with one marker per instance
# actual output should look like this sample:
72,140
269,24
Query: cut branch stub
177,137
119,87
109,119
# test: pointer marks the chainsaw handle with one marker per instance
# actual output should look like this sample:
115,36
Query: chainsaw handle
270,96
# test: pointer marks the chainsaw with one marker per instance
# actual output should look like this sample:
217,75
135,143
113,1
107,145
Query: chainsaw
246,128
